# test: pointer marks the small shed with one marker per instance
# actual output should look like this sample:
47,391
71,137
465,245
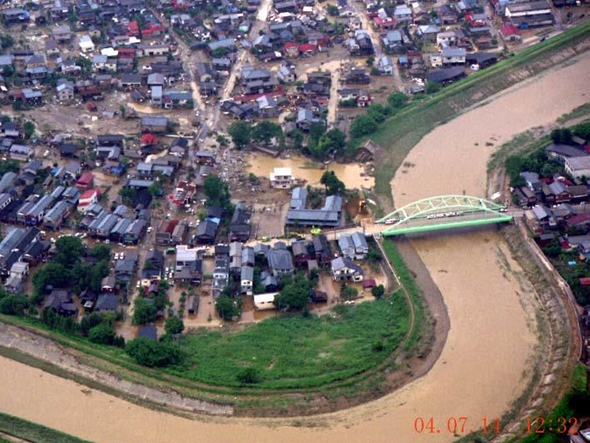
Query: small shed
369,283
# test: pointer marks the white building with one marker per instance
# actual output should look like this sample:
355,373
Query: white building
86,45
264,301
578,167
87,199
281,178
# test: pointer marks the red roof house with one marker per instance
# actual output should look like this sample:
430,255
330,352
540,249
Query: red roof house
133,29
291,49
307,49
85,182
149,139
87,199
510,32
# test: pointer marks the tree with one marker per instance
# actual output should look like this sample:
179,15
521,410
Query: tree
583,130
333,185
349,293
217,192
332,141
144,312
241,133
432,87
364,124
122,110
332,10
150,353
54,274
370,61
561,136
90,321
155,189
297,138
174,325
265,131
294,295
101,252
378,291
69,250
28,129
128,194
227,307
103,334
6,40
378,112
397,100
248,376
374,255
14,304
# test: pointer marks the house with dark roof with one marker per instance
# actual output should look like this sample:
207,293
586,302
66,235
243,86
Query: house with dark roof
343,269
206,232
280,263
61,302
239,229
107,303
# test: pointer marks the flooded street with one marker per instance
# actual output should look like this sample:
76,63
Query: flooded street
352,174
480,371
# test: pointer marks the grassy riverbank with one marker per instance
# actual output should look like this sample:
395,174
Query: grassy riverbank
32,432
400,133
295,352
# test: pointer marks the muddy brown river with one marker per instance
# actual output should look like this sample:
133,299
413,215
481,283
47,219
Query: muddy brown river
483,366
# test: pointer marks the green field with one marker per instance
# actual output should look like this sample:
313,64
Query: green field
29,431
297,352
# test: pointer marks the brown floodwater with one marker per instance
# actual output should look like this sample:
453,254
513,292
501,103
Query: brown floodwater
480,371
352,174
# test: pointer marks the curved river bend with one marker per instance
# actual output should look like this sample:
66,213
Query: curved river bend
490,341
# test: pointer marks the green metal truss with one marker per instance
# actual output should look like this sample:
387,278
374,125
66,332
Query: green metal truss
443,212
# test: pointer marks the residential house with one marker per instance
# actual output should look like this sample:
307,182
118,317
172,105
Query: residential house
449,56
65,92
86,44
87,199
301,253
246,280
239,229
280,263
20,270
155,124
306,118
528,14
189,265
343,269
61,302
346,246
85,181
446,76
577,167
220,274
61,33
206,232
402,13
361,248
264,302
107,303
56,215
281,178
21,153
428,32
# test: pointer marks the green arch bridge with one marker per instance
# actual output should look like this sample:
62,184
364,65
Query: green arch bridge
442,212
